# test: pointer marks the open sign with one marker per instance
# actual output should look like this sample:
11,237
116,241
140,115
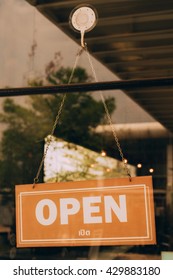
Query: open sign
86,213
89,205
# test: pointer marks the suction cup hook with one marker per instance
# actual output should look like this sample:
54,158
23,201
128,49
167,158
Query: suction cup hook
83,19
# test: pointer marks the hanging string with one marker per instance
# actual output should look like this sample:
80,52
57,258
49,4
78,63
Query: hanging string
109,117
49,139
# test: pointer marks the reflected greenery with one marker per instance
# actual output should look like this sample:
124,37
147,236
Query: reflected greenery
27,126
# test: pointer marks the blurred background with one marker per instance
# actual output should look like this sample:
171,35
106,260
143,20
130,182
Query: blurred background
131,40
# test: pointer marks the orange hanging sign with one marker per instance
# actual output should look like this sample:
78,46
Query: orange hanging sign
86,213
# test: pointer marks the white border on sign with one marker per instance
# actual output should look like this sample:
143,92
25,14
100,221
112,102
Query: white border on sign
149,233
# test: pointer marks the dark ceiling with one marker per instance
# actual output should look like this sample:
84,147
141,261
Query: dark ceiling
132,38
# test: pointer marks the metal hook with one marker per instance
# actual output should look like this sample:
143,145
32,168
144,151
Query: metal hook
35,182
82,39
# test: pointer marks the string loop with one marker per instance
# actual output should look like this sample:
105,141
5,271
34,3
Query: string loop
83,48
